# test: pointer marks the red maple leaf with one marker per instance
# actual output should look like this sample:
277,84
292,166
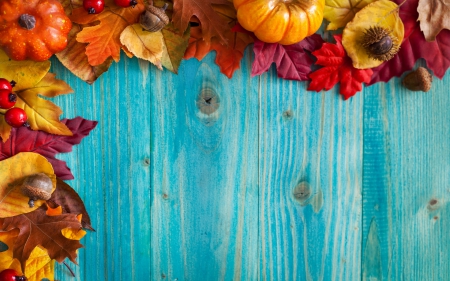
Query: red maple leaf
292,61
338,67
48,145
414,47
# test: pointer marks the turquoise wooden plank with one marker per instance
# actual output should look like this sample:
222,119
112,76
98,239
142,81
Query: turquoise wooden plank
310,178
204,173
406,183
112,173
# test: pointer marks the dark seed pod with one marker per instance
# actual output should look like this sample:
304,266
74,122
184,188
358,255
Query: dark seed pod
154,18
379,43
418,80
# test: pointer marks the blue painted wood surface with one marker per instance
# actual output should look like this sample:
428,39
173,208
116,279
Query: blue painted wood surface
198,177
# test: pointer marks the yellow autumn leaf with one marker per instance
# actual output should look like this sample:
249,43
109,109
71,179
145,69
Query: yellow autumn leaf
7,261
380,15
13,171
39,265
69,233
143,44
340,12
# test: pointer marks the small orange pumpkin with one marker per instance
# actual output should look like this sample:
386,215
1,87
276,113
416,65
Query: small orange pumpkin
283,21
33,29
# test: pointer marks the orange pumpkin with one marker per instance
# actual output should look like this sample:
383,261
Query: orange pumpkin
33,29
286,22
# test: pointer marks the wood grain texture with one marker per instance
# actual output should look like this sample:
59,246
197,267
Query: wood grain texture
406,186
314,138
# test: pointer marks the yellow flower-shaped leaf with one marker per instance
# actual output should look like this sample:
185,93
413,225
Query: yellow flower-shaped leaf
13,172
340,12
382,14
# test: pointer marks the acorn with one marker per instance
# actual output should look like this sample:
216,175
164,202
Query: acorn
380,44
37,187
418,80
154,18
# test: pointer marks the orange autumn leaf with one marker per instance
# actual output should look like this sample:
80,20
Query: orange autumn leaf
104,38
53,211
228,56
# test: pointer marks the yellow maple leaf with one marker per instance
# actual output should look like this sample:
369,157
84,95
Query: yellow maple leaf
143,44
13,171
340,12
32,79
104,38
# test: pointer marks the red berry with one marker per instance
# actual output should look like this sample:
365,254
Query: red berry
125,3
6,85
7,99
94,6
11,275
16,117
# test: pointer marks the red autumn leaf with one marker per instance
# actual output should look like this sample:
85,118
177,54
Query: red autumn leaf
414,47
36,228
48,145
228,56
338,67
67,198
292,61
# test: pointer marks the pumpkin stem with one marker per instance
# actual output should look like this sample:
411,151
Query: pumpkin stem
27,21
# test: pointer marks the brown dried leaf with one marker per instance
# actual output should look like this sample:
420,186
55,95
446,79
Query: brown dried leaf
434,15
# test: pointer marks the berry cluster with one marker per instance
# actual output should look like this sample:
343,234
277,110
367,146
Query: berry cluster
14,116
97,6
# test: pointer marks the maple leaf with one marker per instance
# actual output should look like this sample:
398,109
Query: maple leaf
104,38
292,61
338,67
228,56
48,145
36,228
32,80
434,15
12,173
74,57
143,44
65,197
212,24
340,12
436,53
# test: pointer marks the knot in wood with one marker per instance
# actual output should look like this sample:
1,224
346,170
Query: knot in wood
208,101
302,191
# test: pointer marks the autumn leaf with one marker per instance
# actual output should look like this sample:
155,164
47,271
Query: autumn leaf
39,265
337,68
32,79
48,145
229,55
292,61
436,53
174,47
340,12
104,38
65,197
36,228
434,15
143,44
212,24
7,239
13,171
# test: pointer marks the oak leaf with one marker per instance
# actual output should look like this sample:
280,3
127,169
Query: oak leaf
66,197
32,79
48,145
436,53
337,68
143,44
229,55
292,61
434,15
104,38
13,171
36,228
74,57
212,24
340,12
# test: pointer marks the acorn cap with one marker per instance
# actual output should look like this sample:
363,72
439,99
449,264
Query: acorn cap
37,187
418,80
